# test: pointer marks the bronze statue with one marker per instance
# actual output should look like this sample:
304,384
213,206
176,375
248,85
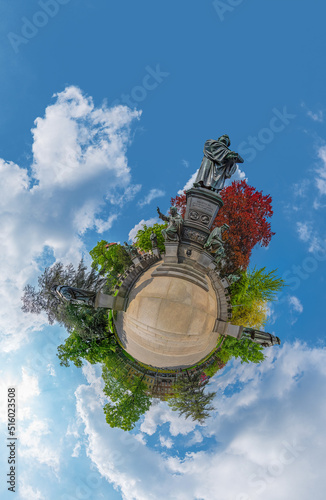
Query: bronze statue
74,295
173,231
233,278
153,238
215,240
219,164
132,251
263,338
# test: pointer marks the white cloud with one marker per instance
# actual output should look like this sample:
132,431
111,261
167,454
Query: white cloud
196,438
26,492
316,117
35,437
301,187
271,314
161,414
26,386
152,195
304,231
185,163
118,196
238,176
267,434
72,430
141,438
189,183
296,304
149,222
35,444
76,450
79,162
321,171
51,370
308,235
166,442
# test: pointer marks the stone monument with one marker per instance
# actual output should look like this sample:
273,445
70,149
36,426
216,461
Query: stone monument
171,311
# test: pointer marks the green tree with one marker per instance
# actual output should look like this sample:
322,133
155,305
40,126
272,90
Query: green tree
129,403
87,322
244,349
189,398
143,240
44,300
253,315
216,365
76,349
256,285
110,261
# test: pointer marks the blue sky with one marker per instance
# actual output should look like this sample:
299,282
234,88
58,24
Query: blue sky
105,108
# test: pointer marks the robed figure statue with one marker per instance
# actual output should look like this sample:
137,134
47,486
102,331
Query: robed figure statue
173,231
263,338
219,164
74,295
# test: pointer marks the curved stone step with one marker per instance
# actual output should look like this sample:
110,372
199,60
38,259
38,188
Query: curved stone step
182,271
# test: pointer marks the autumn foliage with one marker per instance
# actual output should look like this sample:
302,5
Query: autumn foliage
246,211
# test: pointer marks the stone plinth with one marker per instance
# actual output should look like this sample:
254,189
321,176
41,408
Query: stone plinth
156,252
135,260
171,251
103,300
202,208
227,329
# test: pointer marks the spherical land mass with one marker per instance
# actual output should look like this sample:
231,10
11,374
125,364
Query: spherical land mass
169,321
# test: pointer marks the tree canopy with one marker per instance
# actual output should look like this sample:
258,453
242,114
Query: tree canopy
44,300
189,398
244,349
143,240
110,260
77,349
128,399
256,285
250,294
246,211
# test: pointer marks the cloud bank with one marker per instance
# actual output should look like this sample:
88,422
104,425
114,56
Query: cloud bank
266,435
79,164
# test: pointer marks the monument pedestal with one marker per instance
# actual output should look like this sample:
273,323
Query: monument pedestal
109,301
104,300
135,261
171,252
156,252
227,329
202,208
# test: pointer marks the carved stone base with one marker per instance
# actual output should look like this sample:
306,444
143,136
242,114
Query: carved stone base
103,300
135,260
109,301
171,252
156,252
224,328
202,208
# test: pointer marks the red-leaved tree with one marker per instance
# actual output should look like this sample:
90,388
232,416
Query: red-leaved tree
246,211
